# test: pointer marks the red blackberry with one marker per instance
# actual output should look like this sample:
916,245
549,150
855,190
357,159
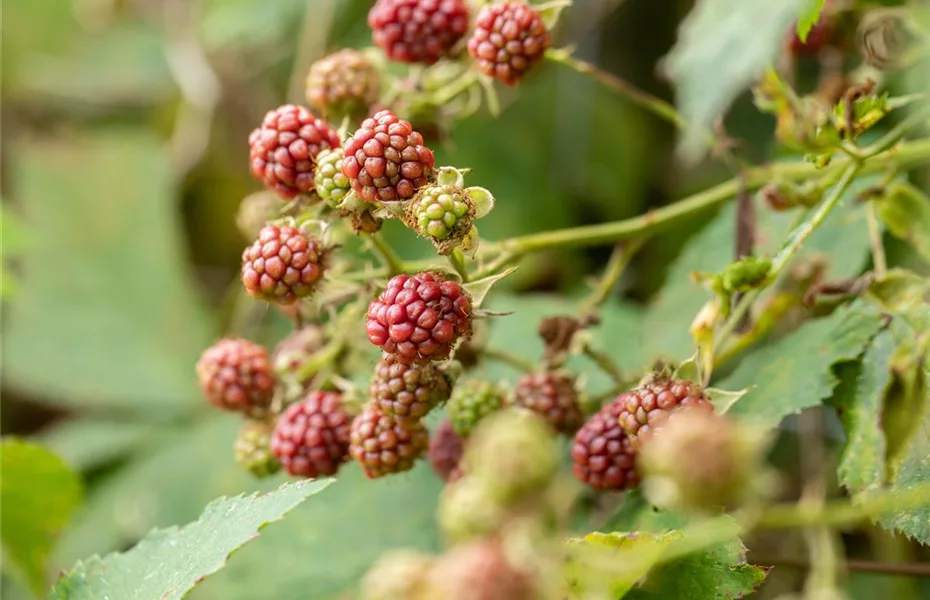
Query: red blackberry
418,31
344,83
602,454
648,406
509,38
384,445
407,391
282,265
311,437
236,375
283,149
445,452
479,570
419,317
386,160
551,395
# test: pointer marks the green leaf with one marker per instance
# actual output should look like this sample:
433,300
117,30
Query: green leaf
38,493
809,17
903,294
906,396
106,315
593,570
13,242
842,241
858,400
723,45
168,563
795,372
906,212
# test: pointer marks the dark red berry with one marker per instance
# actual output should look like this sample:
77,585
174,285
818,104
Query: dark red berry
383,445
407,391
445,451
237,375
602,454
419,317
283,149
648,406
282,265
311,437
553,396
418,31
509,38
385,160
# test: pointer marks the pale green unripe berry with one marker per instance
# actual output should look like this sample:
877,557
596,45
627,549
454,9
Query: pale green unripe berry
331,185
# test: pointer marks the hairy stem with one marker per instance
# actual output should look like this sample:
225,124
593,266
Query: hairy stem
616,265
391,261
512,360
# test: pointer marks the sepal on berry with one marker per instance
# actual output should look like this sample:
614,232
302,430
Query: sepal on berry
442,214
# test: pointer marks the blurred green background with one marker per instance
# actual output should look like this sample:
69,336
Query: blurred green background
124,161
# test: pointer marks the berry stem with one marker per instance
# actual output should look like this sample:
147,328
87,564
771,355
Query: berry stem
512,360
616,265
391,261
457,260
852,564
795,240
879,264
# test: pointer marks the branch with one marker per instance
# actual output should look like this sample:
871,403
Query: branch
851,564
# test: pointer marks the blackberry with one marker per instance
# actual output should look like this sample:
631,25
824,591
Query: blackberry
443,214
445,452
283,265
383,445
418,31
509,38
236,375
256,210
480,570
385,160
342,84
419,317
253,449
551,395
472,400
602,455
311,437
283,149
330,184
398,575
406,391
648,406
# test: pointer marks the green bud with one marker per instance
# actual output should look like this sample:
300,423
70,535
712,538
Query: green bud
745,274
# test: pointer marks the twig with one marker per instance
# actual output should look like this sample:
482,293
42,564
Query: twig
850,564
616,265
512,360
879,263
391,261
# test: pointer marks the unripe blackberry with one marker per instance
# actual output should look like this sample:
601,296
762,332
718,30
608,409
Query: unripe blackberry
236,375
311,437
282,265
602,455
445,451
253,449
509,38
295,350
514,452
398,575
479,570
331,185
471,401
469,508
443,214
701,461
385,160
418,31
551,395
383,445
256,210
648,406
344,83
406,391
419,317
283,149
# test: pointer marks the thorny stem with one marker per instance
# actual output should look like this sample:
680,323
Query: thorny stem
906,156
392,262
879,263
617,263
795,241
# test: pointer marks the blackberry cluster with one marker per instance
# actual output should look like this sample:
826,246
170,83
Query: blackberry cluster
282,265
237,375
385,159
418,31
311,438
283,150
419,318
